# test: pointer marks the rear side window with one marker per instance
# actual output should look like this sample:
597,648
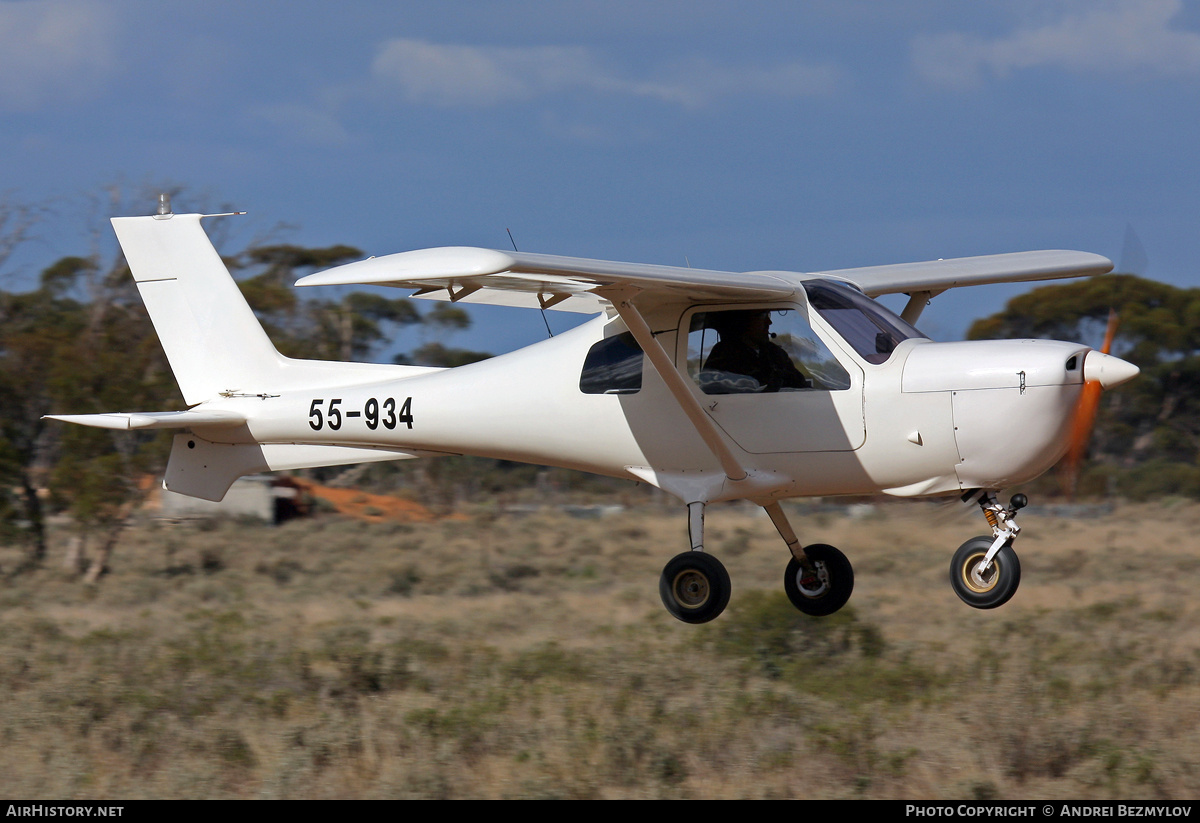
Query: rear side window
612,366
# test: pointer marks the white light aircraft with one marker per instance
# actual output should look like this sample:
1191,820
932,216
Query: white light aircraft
676,382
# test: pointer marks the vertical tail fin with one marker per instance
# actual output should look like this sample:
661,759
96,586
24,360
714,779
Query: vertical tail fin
212,339
216,346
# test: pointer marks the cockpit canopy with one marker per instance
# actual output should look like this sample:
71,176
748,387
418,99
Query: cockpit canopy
870,328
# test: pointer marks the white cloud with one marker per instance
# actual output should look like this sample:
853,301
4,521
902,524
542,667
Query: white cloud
1119,36
450,75
698,82
477,76
53,50
306,124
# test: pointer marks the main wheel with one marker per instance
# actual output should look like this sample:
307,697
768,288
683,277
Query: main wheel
826,588
694,587
984,588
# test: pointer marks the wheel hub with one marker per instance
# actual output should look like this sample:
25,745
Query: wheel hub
813,583
691,589
978,576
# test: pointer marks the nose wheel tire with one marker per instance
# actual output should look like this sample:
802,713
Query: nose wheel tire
984,588
823,589
694,587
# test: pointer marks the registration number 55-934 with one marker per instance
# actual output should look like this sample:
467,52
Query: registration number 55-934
374,412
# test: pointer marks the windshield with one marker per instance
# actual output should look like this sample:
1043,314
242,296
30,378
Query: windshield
871,329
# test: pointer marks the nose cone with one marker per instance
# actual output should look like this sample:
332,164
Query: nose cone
1107,370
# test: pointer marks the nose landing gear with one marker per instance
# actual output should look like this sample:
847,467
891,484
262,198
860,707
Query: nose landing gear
985,571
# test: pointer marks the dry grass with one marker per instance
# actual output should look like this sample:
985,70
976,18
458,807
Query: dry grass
504,656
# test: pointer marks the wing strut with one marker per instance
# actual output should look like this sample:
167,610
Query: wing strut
917,301
705,427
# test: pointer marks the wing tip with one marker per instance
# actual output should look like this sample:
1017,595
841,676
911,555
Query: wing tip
416,265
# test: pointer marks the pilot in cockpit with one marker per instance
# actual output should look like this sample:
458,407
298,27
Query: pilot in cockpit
745,348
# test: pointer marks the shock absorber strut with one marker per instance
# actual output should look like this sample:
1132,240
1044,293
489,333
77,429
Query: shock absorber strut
1002,519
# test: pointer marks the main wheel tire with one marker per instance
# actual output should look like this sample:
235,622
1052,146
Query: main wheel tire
991,588
694,587
828,589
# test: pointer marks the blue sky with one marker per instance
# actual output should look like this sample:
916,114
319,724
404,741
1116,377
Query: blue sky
768,135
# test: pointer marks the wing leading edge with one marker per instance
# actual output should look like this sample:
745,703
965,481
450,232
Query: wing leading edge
474,275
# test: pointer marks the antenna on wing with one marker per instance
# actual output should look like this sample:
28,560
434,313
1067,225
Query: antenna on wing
544,320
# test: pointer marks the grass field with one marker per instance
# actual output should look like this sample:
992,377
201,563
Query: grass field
494,655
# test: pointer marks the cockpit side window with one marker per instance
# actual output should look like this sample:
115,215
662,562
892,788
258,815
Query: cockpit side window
751,351
871,329
612,366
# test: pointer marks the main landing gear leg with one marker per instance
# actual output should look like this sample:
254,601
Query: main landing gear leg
985,571
695,586
818,579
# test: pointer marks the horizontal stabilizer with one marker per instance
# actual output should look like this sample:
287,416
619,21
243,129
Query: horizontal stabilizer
153,420
199,468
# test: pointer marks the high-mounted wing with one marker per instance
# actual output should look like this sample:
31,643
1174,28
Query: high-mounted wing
938,275
547,281
473,275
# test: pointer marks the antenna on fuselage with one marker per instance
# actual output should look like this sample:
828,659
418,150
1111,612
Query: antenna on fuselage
544,320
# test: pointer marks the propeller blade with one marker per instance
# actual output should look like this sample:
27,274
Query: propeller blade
1133,258
1110,374
1110,331
1080,434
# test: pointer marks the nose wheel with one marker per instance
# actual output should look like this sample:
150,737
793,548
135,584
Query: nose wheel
981,583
